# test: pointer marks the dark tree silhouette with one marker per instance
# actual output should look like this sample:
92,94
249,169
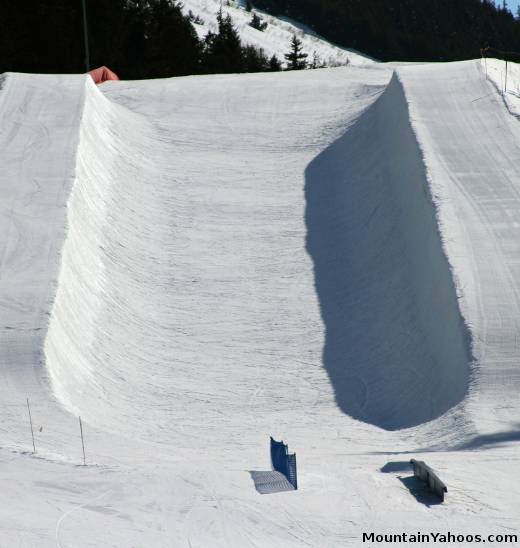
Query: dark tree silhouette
257,23
135,38
296,59
274,64
255,59
223,51
410,30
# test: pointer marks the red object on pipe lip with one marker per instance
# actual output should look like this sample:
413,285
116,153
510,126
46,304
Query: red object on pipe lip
102,74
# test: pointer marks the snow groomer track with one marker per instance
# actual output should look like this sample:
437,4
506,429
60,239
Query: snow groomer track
331,257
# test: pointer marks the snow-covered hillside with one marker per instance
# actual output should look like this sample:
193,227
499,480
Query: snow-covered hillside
194,264
276,38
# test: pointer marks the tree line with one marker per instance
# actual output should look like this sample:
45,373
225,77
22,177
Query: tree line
135,38
154,38
407,30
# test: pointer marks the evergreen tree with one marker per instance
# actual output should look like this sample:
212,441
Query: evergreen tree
223,51
249,6
257,23
172,45
296,59
315,63
255,59
274,64
195,19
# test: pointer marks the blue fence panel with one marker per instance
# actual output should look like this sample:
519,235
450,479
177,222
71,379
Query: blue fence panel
292,475
284,462
279,456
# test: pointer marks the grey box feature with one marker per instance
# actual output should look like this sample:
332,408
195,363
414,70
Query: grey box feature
422,471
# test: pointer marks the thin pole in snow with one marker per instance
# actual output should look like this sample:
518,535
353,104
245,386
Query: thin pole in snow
505,82
85,35
30,422
82,441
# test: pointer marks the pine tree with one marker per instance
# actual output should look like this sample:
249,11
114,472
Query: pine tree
223,51
172,45
255,59
195,19
274,64
315,61
249,6
257,23
296,59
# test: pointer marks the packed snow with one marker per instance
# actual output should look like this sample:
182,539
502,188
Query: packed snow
194,264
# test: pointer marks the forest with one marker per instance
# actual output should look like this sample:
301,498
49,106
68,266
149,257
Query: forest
156,38
407,30
135,38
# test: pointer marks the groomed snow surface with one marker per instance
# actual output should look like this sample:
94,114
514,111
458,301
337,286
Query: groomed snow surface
330,257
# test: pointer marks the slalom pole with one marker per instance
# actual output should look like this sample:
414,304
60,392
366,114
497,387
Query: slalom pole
505,82
30,422
82,440
85,36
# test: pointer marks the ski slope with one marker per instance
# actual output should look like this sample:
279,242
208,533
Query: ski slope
194,264
276,38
